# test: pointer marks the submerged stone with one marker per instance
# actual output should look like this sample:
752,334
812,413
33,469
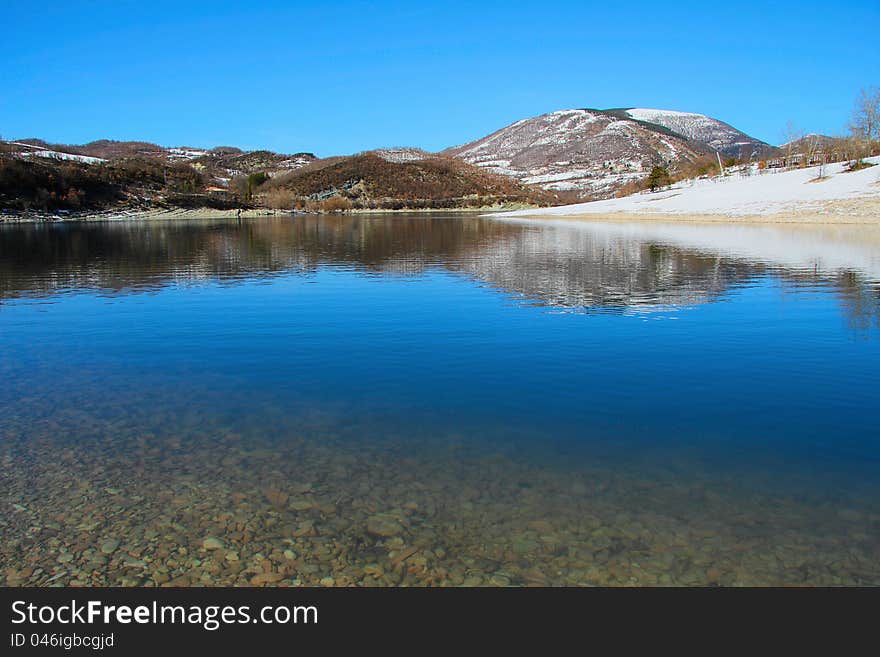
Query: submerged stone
262,579
213,543
384,526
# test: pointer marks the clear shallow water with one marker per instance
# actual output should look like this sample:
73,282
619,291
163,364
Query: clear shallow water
439,400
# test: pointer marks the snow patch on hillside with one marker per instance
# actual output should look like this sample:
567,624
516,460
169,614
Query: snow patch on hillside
34,151
400,155
184,153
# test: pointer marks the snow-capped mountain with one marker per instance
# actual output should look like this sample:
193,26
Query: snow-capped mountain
715,134
580,149
598,151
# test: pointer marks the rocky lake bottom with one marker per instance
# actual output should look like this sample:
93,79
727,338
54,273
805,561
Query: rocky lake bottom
212,507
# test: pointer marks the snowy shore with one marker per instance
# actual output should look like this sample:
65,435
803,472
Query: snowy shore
797,196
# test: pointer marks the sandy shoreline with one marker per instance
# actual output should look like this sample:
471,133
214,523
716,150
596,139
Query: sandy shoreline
209,213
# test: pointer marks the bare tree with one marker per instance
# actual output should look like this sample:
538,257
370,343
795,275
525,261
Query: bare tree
866,115
336,204
280,199
238,186
865,124
810,145
791,138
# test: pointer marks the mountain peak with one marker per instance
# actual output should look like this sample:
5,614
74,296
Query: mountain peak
717,135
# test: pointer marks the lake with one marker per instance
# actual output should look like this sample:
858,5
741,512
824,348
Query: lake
439,400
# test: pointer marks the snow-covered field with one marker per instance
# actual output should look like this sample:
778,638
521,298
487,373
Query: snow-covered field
765,193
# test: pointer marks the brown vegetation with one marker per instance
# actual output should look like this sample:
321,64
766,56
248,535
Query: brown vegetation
27,184
50,185
336,204
280,199
369,181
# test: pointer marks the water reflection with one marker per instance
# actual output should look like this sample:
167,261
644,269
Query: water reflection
565,264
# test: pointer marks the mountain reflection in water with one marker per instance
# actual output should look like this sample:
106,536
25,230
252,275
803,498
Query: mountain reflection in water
555,263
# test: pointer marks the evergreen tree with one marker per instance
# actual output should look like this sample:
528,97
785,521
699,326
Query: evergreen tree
659,177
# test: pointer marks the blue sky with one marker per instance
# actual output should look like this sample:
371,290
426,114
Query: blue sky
341,77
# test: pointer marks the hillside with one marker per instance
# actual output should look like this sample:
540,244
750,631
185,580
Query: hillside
42,178
597,152
220,163
104,149
811,143
57,184
404,178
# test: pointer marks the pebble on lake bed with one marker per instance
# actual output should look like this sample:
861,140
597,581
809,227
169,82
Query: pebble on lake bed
384,525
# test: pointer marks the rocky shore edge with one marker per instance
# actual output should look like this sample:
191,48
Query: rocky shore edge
212,213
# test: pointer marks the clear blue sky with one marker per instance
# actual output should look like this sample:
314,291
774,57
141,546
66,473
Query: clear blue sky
347,76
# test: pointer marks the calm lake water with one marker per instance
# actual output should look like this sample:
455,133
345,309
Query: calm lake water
378,400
